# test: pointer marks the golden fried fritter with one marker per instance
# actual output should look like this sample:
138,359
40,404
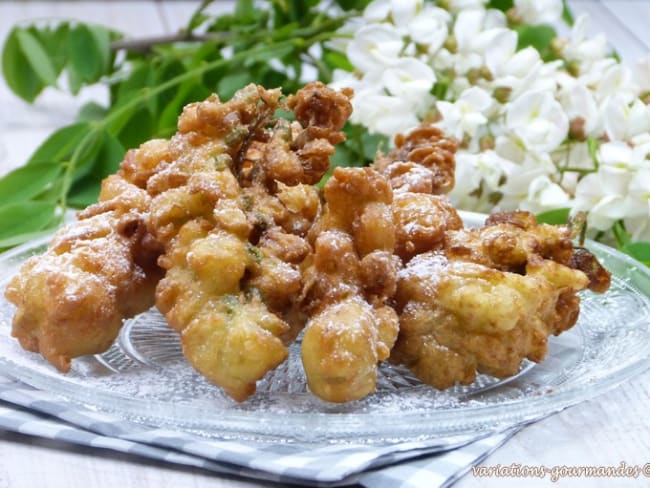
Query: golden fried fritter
488,300
233,211
378,265
347,287
422,162
420,170
71,300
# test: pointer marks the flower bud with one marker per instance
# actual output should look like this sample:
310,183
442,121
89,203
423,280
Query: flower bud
451,44
486,143
502,93
486,74
573,68
473,75
557,46
577,129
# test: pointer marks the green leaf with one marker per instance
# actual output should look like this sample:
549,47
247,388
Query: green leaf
37,57
270,52
373,143
24,217
554,217
567,15
622,236
538,36
353,4
141,76
230,83
27,181
84,192
337,60
639,251
102,44
14,240
503,5
103,159
87,158
17,72
91,111
60,144
137,129
85,61
111,154
439,89
54,42
245,10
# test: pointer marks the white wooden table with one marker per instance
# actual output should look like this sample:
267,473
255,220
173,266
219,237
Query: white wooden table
608,430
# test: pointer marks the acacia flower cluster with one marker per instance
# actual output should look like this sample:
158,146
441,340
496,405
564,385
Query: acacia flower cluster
543,125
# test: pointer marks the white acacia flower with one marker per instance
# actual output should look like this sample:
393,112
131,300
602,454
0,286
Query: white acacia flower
604,194
471,24
397,12
623,120
485,170
637,219
430,27
617,155
538,120
641,74
375,46
592,73
460,5
579,103
524,71
383,114
582,47
543,195
466,114
531,115
501,47
424,24
638,194
378,11
604,208
403,11
520,177
616,80
539,11
409,79
345,79
510,148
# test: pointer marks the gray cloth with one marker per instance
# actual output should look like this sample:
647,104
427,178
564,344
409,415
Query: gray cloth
28,411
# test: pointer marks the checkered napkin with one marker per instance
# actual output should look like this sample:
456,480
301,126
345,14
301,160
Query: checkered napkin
29,411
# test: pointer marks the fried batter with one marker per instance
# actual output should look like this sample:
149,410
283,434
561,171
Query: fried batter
378,265
232,212
347,288
71,301
420,170
488,300
422,162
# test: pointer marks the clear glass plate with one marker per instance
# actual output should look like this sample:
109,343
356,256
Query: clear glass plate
144,377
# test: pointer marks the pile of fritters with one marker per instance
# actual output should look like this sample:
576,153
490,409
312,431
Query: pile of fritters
222,229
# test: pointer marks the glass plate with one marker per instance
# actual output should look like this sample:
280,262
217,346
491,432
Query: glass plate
144,377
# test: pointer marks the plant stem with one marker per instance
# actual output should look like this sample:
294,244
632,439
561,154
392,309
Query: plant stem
145,44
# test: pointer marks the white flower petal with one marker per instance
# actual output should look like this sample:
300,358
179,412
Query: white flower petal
539,11
374,47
